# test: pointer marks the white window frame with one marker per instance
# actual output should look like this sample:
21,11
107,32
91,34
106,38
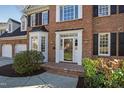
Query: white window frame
25,27
44,12
109,42
109,11
33,17
73,15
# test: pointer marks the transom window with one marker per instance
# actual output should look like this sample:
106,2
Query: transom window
43,43
33,20
34,43
103,10
69,35
68,12
45,17
104,44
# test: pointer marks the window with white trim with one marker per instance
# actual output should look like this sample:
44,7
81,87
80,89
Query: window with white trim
45,18
43,43
104,44
33,20
103,10
68,12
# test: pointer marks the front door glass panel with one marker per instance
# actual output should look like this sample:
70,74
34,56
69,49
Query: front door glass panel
68,49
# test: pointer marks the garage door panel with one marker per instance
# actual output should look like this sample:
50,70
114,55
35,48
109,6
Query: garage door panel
7,50
20,47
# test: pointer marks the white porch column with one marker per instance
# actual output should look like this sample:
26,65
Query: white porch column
80,47
57,47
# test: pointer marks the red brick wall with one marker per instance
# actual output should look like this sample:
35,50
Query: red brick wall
113,23
85,23
13,43
90,25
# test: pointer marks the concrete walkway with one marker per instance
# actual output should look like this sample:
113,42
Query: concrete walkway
44,80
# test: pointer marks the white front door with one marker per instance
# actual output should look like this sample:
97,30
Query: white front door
7,50
69,46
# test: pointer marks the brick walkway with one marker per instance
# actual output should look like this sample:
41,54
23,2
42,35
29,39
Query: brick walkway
67,69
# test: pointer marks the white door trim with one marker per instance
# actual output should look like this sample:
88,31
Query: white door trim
79,37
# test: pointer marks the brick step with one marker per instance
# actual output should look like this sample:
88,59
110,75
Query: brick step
63,70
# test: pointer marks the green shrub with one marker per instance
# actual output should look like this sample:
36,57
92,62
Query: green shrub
93,78
27,62
89,67
98,74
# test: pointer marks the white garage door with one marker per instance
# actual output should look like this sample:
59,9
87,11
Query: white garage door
7,50
20,47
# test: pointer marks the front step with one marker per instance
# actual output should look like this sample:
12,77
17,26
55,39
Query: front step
65,69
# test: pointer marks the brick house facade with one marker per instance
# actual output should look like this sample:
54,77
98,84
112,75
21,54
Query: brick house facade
13,40
91,31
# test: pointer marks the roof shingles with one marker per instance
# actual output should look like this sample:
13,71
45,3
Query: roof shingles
17,32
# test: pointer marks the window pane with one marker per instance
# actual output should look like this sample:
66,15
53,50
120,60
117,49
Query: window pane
68,12
33,20
76,11
61,13
43,43
103,10
34,43
10,27
45,18
104,44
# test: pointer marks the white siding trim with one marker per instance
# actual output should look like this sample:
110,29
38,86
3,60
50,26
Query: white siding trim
57,13
80,11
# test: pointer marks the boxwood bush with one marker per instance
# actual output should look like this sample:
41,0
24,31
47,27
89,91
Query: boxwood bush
27,62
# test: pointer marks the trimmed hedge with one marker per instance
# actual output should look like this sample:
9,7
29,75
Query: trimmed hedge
27,62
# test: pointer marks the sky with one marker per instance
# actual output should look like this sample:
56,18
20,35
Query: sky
10,11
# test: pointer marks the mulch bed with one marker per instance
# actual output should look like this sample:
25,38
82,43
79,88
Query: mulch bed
7,70
80,83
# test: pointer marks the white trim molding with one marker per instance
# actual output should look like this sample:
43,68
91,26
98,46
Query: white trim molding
77,53
14,37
